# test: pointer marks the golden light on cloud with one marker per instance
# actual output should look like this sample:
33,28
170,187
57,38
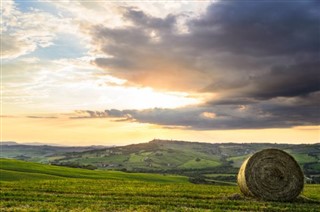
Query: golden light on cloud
313,128
149,98
62,86
242,107
154,70
209,115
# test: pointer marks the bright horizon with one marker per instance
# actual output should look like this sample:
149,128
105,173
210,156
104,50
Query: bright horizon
116,73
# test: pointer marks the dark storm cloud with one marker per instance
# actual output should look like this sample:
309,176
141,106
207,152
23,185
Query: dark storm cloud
287,81
227,46
232,101
259,27
141,19
278,113
261,57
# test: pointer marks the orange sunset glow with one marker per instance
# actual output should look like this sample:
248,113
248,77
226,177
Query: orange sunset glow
117,73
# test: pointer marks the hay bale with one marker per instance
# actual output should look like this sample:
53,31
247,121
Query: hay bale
271,174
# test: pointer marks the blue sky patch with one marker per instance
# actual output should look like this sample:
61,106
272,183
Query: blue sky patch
65,46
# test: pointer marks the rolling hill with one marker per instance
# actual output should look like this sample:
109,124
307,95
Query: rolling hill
166,156
15,170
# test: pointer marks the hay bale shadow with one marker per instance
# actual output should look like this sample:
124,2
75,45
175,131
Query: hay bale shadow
236,197
299,199
303,199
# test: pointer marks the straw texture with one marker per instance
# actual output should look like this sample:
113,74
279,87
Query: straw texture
271,174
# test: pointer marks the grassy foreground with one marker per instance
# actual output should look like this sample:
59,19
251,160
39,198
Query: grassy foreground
35,187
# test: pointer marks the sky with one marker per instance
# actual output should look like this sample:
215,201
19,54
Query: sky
115,73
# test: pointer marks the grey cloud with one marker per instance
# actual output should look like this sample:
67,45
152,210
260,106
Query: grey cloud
12,47
229,46
89,114
141,19
278,113
259,55
118,113
122,115
280,81
42,117
232,101
140,59
259,27
303,114
287,81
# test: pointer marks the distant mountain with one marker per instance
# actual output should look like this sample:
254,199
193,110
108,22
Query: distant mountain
40,144
8,143
29,144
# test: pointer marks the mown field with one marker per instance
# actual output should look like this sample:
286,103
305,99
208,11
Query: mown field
29,186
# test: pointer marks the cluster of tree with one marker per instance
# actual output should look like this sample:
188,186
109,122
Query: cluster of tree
224,169
75,165
22,157
230,178
310,168
200,180
315,180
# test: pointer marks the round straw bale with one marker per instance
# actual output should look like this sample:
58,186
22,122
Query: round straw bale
271,174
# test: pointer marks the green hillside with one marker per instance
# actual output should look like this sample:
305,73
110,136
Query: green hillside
12,170
187,158
191,159
27,186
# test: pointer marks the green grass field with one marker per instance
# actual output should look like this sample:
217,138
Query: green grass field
29,186
13,170
304,158
199,164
